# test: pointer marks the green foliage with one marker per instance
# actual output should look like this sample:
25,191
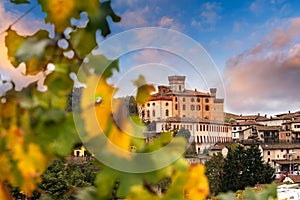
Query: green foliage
62,180
268,192
215,172
245,167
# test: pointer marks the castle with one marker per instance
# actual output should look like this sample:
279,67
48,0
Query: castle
175,107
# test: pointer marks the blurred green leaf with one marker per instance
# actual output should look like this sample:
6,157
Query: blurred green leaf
83,41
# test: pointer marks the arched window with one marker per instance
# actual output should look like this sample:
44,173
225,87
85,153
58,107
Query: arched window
207,107
167,104
167,112
148,113
206,100
153,104
176,106
183,107
198,107
153,113
176,99
183,99
198,100
192,107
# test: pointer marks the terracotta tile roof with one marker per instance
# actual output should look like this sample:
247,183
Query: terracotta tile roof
246,123
268,128
156,98
281,146
252,117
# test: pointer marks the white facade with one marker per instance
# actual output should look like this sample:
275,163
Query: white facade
204,133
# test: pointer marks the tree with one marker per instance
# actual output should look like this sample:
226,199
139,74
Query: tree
36,125
245,167
183,133
215,172
61,180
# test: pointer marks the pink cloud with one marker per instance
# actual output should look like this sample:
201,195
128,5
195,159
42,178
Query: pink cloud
266,77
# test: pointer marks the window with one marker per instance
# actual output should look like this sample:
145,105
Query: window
167,112
148,113
269,153
180,88
207,108
198,100
192,99
206,100
297,126
183,115
176,99
192,107
198,107
167,104
153,113
269,159
200,127
183,107
183,99
148,104
153,104
176,106
143,113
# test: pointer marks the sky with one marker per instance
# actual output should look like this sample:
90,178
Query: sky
251,48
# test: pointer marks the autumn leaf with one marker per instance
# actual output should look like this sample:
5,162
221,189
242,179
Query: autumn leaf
197,187
144,90
59,12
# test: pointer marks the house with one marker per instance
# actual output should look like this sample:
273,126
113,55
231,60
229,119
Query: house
282,156
218,148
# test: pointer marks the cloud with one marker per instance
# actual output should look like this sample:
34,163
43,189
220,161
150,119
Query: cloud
266,77
135,18
208,17
25,26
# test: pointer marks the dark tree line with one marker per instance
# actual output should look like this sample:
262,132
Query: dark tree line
242,167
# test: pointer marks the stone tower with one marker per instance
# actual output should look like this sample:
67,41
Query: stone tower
177,83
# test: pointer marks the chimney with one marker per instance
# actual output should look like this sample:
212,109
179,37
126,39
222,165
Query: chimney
265,115
195,90
289,111
258,114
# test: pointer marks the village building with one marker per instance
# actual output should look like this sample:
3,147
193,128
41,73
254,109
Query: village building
174,107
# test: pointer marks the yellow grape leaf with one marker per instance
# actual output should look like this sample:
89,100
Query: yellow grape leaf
197,187
120,142
97,103
4,192
144,90
31,163
59,12
30,160
13,42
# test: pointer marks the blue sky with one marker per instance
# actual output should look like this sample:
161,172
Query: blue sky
254,44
